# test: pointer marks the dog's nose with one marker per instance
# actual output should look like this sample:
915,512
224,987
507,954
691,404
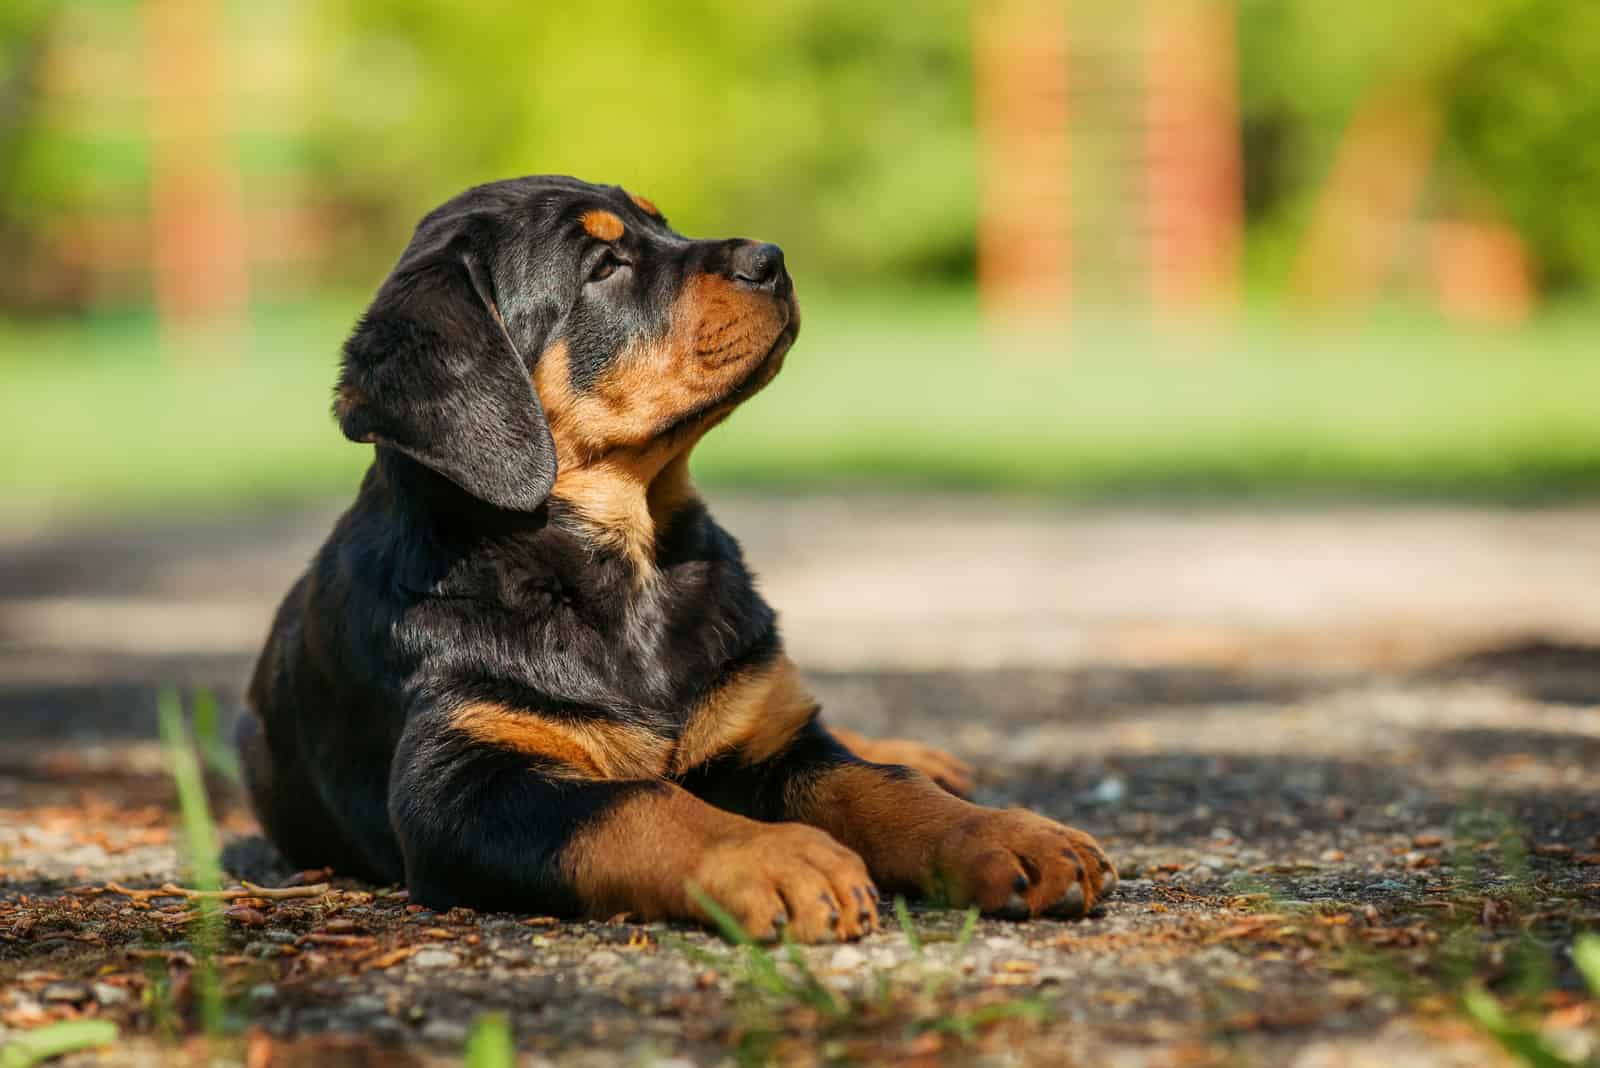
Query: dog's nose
758,266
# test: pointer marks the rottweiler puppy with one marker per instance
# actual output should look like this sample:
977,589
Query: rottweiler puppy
528,671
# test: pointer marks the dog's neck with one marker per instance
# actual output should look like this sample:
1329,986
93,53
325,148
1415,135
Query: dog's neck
627,497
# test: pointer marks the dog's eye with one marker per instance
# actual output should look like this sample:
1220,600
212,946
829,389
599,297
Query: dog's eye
606,266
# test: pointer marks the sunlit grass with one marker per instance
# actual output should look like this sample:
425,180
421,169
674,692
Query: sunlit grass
56,1040
881,390
202,850
490,1044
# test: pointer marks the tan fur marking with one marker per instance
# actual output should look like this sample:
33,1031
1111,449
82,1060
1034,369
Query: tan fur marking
638,857
642,854
590,750
754,714
645,204
602,225
943,767
616,462
623,481
893,823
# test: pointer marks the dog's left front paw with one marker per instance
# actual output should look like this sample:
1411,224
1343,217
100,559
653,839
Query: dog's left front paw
1017,864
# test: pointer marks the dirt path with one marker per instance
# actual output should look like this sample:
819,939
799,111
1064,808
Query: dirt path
1344,759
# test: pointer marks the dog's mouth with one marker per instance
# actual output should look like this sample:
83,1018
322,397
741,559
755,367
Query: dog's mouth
760,373
767,367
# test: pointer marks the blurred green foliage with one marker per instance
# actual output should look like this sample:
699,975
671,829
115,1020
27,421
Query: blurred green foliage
842,129
841,126
1515,85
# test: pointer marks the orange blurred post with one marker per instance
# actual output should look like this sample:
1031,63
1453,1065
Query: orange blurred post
1482,272
1368,204
1024,220
198,236
1194,182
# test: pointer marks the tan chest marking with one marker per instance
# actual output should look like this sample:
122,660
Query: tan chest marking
596,750
754,714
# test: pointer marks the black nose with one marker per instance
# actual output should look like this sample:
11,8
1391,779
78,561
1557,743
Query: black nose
758,266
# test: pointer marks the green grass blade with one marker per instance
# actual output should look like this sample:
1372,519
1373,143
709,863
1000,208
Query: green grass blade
1521,1042
967,1025
199,831
813,991
490,1045
902,914
1586,954
763,967
969,927
730,928
56,1040
212,740
204,854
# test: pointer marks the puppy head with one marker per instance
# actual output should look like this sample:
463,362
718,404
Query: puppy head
544,324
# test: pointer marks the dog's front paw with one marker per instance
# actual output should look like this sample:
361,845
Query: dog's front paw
1017,864
789,879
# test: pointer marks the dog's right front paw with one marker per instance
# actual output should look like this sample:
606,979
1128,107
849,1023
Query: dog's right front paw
788,879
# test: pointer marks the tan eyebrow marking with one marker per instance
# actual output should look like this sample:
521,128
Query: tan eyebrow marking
602,225
645,204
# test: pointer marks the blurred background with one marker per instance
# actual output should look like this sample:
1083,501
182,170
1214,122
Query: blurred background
1153,248
1196,421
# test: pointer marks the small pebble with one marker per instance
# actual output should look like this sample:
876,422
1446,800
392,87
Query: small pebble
66,993
1111,791
444,1032
436,958
846,959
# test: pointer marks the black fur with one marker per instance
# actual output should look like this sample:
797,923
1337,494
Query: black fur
453,579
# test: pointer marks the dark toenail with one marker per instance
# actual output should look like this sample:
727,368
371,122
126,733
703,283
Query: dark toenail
1071,903
1014,909
1020,883
1105,865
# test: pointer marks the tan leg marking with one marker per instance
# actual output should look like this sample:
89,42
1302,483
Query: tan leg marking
944,768
641,857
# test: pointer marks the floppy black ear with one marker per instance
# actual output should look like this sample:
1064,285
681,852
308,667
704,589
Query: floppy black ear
432,371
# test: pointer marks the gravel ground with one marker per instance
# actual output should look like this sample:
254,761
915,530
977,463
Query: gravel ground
1330,802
